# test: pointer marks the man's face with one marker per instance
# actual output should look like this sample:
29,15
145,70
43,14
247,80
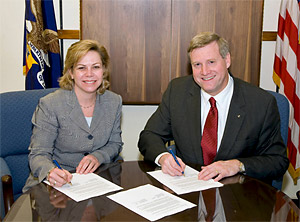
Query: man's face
209,68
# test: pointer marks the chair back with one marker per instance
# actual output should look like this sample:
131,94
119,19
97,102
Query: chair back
16,110
284,112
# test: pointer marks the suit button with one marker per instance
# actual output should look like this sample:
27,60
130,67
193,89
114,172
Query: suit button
90,137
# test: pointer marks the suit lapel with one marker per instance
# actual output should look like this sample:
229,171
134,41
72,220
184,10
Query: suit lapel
194,113
76,114
99,113
235,119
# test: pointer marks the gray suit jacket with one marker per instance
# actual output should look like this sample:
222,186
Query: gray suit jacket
252,131
61,132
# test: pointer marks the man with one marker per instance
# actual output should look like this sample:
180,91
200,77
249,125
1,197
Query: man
247,136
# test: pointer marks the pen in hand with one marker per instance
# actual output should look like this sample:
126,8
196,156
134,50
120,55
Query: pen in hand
59,167
175,158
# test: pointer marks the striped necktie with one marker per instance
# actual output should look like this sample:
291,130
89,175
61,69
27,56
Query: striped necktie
210,134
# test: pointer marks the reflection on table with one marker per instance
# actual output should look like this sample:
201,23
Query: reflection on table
49,204
241,198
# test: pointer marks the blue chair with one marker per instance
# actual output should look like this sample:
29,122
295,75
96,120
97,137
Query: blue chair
16,128
284,112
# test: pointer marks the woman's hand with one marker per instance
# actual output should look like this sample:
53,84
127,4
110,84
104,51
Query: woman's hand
58,177
58,199
88,164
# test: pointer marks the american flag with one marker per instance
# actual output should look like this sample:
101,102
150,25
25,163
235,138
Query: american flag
287,75
284,209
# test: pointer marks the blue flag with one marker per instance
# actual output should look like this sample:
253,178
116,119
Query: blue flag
41,58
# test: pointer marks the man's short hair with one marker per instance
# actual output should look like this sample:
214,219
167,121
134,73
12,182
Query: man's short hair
205,38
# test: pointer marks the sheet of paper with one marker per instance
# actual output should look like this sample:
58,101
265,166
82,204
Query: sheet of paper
85,186
151,202
184,184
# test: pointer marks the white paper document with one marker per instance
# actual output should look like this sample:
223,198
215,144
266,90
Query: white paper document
184,184
151,202
85,186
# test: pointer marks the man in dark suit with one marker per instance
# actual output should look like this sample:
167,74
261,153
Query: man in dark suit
248,138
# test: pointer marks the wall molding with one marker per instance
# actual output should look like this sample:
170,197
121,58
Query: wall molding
68,34
75,34
269,36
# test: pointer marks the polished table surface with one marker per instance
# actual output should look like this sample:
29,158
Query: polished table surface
240,199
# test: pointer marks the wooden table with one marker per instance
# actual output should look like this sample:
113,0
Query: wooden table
240,199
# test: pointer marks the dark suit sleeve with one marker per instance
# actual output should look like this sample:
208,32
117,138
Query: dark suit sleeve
157,130
268,159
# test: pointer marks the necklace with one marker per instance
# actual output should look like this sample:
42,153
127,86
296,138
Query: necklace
86,107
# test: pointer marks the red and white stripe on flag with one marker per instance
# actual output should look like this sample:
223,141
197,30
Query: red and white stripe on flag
287,75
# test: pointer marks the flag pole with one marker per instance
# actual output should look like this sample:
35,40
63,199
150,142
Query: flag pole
61,40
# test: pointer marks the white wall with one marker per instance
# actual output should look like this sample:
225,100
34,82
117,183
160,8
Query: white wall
270,20
134,117
11,45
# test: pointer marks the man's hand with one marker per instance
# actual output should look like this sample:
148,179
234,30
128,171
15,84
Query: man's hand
169,166
219,170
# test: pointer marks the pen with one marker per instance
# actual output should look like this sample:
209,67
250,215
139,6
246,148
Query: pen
59,167
175,158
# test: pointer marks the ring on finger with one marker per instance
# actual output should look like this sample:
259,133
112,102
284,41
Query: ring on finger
54,182
217,172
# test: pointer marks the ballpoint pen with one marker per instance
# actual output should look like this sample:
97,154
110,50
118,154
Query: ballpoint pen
175,158
59,167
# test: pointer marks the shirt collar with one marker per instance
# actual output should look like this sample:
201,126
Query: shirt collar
221,96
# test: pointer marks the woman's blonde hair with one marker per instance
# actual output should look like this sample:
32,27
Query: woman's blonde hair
76,51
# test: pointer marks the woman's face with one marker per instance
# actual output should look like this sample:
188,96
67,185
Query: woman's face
88,73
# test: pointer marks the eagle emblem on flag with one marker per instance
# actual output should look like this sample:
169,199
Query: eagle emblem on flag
41,62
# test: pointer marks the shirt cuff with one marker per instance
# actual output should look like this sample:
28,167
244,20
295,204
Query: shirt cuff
158,157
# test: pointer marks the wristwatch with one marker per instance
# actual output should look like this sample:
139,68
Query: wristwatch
242,168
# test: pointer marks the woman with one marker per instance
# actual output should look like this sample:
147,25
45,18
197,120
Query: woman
79,124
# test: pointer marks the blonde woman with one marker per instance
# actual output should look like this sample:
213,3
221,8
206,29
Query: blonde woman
79,124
